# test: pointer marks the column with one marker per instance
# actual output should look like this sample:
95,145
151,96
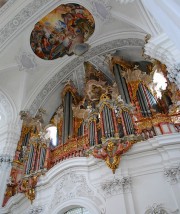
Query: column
9,136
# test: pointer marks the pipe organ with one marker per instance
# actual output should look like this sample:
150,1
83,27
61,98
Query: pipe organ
104,122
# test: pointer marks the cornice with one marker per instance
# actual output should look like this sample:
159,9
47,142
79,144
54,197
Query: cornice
19,20
5,7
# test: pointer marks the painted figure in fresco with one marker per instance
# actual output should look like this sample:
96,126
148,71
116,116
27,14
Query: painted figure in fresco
58,33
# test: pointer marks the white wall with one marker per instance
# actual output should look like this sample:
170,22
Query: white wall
138,186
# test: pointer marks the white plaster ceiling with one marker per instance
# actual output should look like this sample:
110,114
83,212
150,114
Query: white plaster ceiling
24,76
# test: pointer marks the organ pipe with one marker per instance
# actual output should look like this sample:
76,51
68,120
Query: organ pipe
121,84
68,117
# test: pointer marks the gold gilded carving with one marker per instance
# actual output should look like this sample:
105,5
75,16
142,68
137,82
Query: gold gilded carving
118,60
135,76
24,131
134,86
71,88
110,152
94,89
30,194
148,123
72,145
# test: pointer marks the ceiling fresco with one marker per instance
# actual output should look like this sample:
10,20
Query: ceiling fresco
63,31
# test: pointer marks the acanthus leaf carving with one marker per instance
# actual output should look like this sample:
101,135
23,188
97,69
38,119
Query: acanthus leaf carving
116,186
35,210
172,174
71,186
157,209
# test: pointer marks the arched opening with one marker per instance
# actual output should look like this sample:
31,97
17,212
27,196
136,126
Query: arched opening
78,210
52,134
160,83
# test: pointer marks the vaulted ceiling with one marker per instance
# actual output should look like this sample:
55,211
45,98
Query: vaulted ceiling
31,82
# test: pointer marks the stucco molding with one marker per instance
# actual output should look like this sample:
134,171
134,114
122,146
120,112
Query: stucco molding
6,6
124,1
36,210
70,186
26,62
158,209
162,49
117,186
102,10
6,107
172,174
5,160
19,19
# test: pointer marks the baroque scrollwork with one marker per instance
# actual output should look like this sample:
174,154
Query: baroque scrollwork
35,210
157,209
172,174
71,186
124,1
5,159
116,186
6,6
26,61
102,10
20,19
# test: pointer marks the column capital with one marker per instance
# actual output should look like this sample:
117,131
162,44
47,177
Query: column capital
172,173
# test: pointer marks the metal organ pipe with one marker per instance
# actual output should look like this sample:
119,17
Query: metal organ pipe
90,134
118,80
142,106
142,95
70,115
121,84
126,122
110,122
151,99
104,122
130,123
93,132
64,123
107,121
67,116
30,157
42,158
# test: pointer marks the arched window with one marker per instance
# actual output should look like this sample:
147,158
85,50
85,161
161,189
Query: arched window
79,210
160,83
52,131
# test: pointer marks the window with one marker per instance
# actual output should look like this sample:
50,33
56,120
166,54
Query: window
79,210
160,83
52,131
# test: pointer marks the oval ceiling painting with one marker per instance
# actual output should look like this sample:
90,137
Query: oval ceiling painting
63,31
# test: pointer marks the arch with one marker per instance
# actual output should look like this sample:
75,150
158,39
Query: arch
61,75
7,108
73,203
